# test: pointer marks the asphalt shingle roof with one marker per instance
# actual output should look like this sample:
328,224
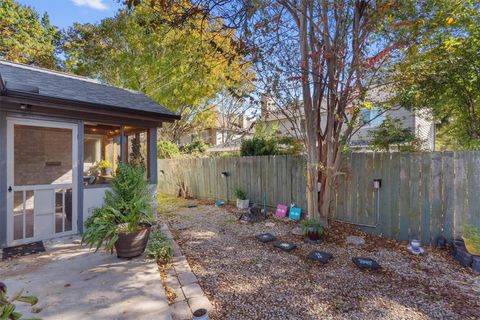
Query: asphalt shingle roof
66,86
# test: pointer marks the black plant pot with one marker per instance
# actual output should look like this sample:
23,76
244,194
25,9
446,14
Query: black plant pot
133,244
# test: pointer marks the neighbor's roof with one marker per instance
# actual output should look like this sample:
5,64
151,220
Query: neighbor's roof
59,85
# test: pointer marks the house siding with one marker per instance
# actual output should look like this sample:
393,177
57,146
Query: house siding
3,174
407,119
425,130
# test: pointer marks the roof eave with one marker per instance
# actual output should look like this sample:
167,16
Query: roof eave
43,98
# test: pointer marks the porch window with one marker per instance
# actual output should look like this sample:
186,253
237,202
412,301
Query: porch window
105,146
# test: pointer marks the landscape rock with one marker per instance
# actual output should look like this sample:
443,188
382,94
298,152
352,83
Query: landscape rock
476,264
297,231
355,240
36,309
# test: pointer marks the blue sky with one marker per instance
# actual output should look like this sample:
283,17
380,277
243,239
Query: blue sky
64,13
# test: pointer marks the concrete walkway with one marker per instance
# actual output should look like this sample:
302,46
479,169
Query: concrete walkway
72,282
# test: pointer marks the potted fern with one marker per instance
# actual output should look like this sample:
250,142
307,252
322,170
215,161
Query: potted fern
242,201
312,229
123,222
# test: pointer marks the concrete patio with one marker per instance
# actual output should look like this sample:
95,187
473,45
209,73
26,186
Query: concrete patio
72,282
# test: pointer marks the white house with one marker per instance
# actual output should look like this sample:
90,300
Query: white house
291,122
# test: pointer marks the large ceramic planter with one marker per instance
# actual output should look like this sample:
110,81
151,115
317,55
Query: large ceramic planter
133,244
243,204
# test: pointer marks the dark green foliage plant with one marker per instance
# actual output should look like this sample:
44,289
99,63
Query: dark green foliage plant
7,305
127,208
197,147
258,146
240,194
159,248
309,224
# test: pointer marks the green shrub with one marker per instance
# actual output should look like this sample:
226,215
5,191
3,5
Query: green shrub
159,248
270,146
126,208
240,194
167,150
197,146
311,224
258,146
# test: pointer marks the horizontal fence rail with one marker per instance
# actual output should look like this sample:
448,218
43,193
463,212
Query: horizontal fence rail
420,195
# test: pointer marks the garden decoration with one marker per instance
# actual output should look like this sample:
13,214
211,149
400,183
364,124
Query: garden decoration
415,248
282,211
366,263
266,237
285,246
219,203
295,212
320,256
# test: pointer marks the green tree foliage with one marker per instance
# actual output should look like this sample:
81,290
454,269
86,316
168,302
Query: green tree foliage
441,74
178,66
197,147
266,141
392,136
26,37
167,150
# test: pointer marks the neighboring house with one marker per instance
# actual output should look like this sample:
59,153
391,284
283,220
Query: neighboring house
54,130
225,135
291,122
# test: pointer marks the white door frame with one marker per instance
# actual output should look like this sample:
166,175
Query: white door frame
11,122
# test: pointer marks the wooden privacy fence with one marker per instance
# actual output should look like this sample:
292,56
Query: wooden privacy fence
422,195
281,177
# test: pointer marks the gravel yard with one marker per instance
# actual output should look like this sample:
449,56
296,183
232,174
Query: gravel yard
247,279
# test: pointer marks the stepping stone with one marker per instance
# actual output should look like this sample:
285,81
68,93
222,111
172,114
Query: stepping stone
266,237
320,256
366,263
356,241
285,246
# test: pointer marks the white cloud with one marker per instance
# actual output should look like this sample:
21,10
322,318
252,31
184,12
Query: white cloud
93,4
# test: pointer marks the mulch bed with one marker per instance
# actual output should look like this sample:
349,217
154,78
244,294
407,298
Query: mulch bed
247,279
